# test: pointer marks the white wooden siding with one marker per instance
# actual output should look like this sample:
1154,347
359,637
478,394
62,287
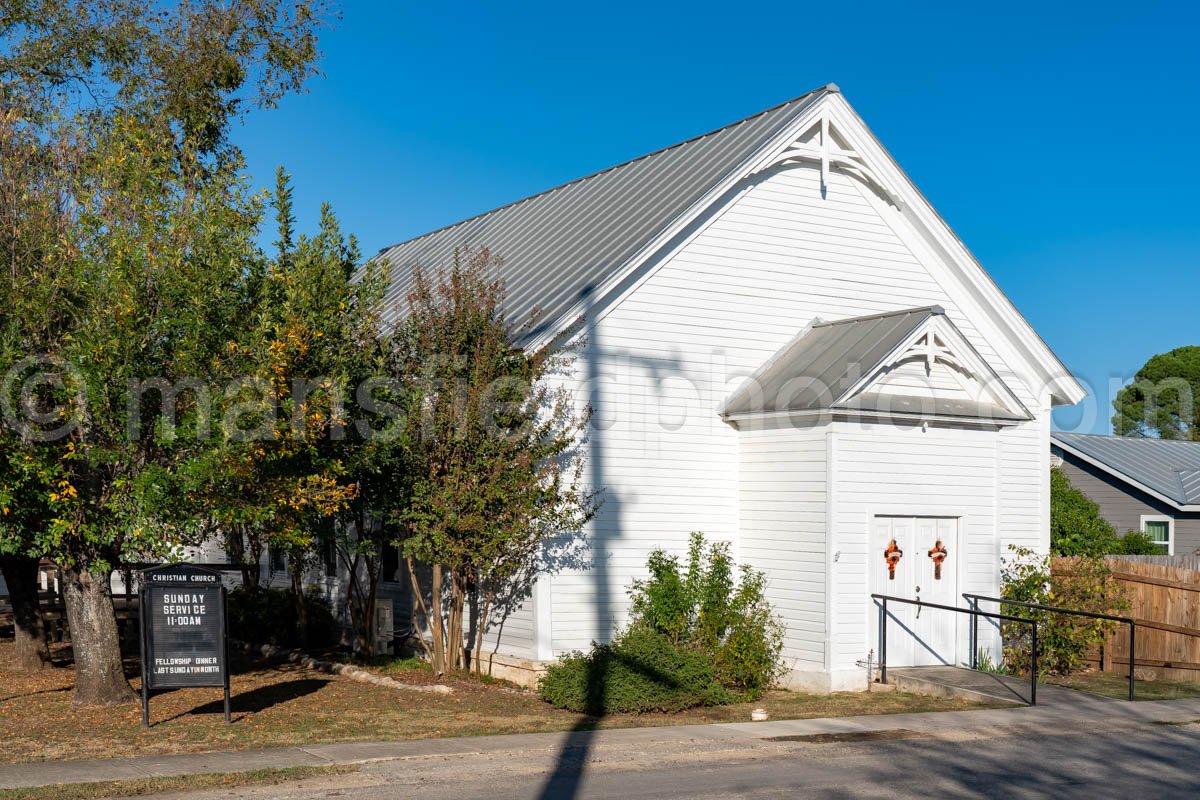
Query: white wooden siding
1025,485
890,471
513,635
910,378
782,521
657,366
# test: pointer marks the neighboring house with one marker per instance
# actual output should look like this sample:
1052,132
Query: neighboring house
787,348
328,578
1148,485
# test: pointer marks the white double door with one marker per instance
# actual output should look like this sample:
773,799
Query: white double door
916,557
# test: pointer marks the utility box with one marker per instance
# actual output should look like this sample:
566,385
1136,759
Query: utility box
385,629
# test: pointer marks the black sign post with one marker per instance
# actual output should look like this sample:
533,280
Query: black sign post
182,610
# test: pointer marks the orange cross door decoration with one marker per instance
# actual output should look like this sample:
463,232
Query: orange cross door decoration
938,554
892,555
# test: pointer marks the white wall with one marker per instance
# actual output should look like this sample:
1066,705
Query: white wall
893,471
657,366
783,531
513,633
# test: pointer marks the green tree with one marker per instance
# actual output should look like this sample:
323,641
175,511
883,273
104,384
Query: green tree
313,336
492,466
23,512
33,222
1136,543
360,531
1161,399
144,283
154,292
1078,529
1076,526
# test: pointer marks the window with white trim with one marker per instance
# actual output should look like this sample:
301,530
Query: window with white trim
1161,531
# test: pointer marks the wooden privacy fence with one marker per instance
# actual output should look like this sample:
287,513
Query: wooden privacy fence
1164,601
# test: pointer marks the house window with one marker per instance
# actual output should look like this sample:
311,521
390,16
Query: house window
391,564
330,558
1160,530
278,562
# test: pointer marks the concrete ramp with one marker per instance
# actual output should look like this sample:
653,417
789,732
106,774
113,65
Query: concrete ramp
985,687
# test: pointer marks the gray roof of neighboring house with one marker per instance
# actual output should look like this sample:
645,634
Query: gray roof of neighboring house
565,242
815,370
1169,467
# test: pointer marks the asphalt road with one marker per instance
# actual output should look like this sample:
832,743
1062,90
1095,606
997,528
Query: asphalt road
1149,761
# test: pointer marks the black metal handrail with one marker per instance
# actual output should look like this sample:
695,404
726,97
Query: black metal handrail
976,613
975,598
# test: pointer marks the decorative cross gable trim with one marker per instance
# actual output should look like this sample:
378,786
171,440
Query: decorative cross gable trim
837,138
939,341
821,143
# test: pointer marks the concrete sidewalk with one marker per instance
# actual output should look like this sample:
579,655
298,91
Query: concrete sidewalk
1089,714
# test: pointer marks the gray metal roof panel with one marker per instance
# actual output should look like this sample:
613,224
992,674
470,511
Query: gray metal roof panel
559,244
817,368
1169,467
1189,479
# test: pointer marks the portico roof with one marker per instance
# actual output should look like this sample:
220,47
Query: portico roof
907,363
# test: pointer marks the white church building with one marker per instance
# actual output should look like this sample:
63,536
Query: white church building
786,348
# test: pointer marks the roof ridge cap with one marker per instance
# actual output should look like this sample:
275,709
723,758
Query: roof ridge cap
934,310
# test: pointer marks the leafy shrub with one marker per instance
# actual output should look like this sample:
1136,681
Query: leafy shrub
697,637
1136,543
268,616
1081,583
701,607
1076,526
1078,529
641,671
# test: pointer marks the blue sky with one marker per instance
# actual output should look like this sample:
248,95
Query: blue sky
1059,140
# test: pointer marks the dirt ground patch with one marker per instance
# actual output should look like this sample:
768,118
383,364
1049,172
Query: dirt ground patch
280,705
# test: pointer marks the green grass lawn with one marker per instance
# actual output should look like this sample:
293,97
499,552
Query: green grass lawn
1114,684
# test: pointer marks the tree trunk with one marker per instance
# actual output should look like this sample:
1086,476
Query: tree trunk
235,545
437,626
20,575
99,673
458,659
419,609
235,548
252,573
362,588
297,571
365,625
363,592
484,608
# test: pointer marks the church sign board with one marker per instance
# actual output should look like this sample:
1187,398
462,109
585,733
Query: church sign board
183,631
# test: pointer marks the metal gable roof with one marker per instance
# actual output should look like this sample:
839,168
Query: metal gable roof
565,242
811,371
1190,480
1170,468
815,370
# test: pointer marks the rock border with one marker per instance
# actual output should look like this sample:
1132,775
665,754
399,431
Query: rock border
350,671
